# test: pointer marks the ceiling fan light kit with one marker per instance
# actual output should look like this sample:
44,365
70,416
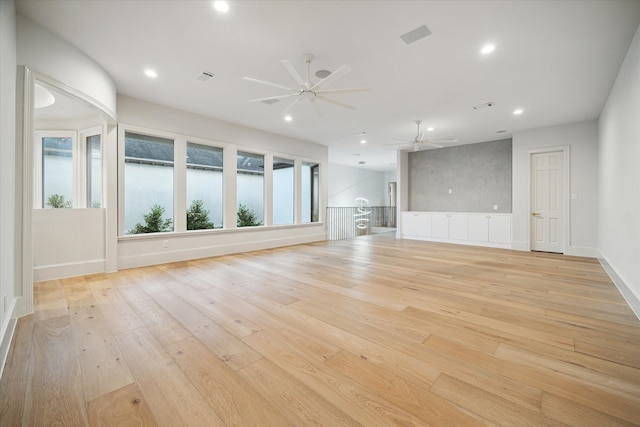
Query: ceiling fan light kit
307,89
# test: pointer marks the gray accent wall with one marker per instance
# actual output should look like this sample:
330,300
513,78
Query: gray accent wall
478,175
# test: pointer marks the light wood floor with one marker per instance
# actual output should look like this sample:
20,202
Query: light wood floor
372,332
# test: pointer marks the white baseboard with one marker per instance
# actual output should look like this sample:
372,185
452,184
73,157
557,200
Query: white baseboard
71,269
7,329
632,299
582,251
458,242
520,246
164,257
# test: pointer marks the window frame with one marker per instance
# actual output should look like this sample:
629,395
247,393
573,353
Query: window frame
230,189
121,174
209,144
265,182
315,192
296,185
84,189
38,165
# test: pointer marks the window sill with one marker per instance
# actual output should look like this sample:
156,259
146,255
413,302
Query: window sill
213,232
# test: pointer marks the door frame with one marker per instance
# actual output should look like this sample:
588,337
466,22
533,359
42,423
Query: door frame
566,188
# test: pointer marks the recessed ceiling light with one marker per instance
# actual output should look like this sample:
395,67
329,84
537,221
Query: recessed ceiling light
221,6
518,111
429,129
150,73
487,48
288,118
363,141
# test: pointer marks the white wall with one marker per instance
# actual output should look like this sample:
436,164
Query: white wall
582,138
67,242
346,183
46,53
9,289
619,180
138,250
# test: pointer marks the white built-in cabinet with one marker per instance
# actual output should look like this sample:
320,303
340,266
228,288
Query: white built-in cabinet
480,229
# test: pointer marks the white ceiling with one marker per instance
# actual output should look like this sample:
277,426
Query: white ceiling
557,60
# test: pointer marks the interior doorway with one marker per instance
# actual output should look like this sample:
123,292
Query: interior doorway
548,221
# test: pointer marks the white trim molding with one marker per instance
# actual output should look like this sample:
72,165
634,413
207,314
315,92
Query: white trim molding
70,269
632,299
7,329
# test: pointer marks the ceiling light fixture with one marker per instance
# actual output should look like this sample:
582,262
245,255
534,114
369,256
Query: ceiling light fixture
288,118
429,129
488,48
363,141
323,74
518,111
150,73
221,6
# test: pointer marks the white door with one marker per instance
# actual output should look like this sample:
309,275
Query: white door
547,225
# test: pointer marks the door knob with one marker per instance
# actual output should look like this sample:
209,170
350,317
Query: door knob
535,214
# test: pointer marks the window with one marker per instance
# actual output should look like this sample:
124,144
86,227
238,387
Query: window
283,191
56,170
310,192
204,187
250,183
148,184
94,171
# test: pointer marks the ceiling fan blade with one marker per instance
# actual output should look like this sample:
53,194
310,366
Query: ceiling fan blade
333,101
331,77
278,97
293,72
354,90
441,141
395,145
432,144
298,99
262,82
405,140
315,106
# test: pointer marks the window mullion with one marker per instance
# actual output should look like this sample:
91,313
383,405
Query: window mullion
180,185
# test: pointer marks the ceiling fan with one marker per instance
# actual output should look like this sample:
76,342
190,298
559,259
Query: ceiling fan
307,89
420,143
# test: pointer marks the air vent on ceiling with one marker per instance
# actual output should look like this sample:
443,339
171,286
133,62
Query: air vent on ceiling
205,76
415,35
270,101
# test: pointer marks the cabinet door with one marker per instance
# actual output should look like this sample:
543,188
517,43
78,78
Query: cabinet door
479,228
458,226
440,225
416,224
500,229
